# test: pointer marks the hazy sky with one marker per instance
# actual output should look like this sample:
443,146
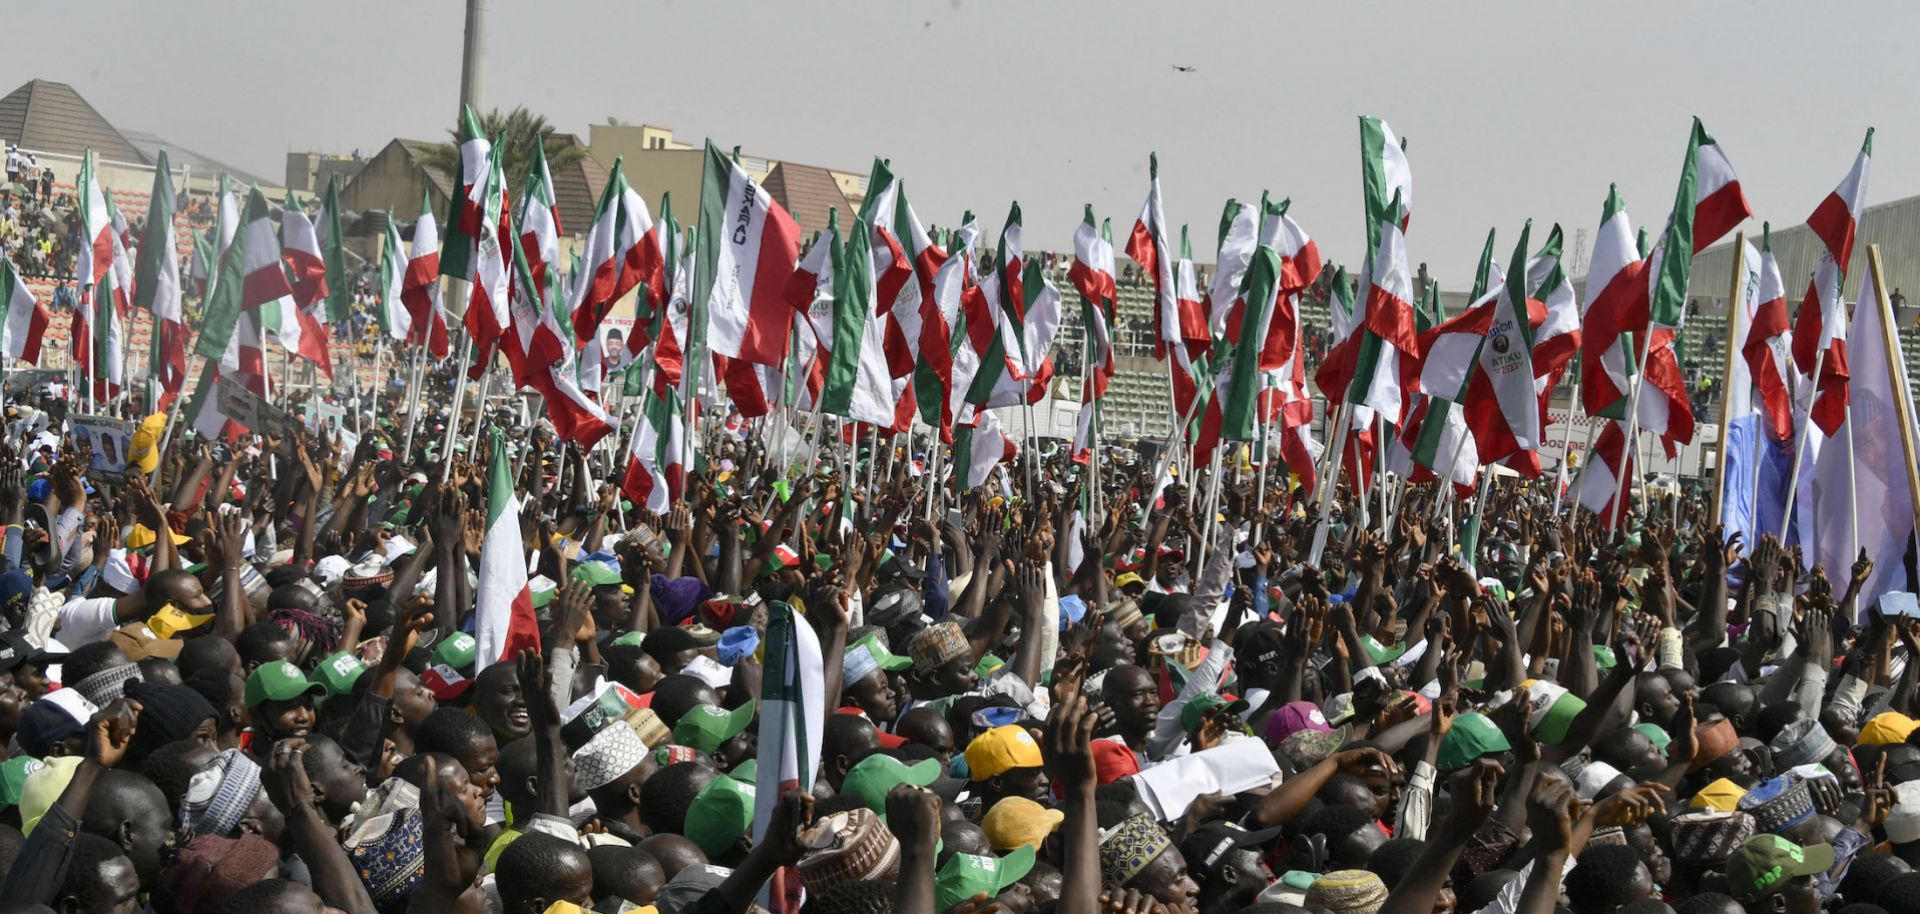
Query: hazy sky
1512,110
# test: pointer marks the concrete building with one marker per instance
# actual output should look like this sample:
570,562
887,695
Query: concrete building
308,172
655,164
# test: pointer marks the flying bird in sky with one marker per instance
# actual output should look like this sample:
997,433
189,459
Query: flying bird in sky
1182,69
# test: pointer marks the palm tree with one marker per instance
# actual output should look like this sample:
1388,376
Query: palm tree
516,131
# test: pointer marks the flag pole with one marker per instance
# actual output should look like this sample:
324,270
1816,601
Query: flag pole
459,397
1329,483
1736,294
413,407
1902,396
1633,425
1800,442
1380,463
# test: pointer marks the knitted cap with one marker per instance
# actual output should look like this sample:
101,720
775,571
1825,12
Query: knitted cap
1348,892
219,794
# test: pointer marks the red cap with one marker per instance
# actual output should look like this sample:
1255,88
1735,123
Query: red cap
890,741
1112,761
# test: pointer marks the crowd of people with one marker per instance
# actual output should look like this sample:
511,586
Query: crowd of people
243,677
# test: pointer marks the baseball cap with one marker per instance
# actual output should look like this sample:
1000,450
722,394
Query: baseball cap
1473,735
967,875
279,681
446,675
1550,710
172,620
58,715
16,650
877,774
1000,750
1209,844
457,650
338,672
1766,863
706,727
887,659
1887,727
1017,822
720,815
596,574
1197,707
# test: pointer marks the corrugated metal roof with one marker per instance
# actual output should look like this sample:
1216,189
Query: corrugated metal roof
51,117
177,156
809,193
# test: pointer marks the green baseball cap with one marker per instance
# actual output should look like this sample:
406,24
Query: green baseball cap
1603,657
1197,707
887,659
542,589
876,775
706,727
1656,735
720,816
1766,863
456,651
967,875
988,663
1472,735
338,672
595,574
279,681
1551,710
634,639
746,771
1380,653
13,778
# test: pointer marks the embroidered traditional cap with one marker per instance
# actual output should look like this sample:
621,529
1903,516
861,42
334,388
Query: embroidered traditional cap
1778,804
1802,742
851,846
1127,848
940,643
607,757
1709,838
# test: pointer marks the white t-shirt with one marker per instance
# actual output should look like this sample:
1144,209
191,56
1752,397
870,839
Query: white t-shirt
86,621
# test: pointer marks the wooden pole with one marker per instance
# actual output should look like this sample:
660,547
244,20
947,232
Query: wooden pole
1736,296
1897,367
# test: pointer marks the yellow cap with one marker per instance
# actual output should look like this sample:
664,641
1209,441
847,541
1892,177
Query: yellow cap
172,620
1015,822
1001,750
141,536
1887,727
1721,796
143,448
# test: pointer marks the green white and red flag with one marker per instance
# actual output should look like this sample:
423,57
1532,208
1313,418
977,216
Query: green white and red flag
1385,373
1821,324
1665,409
294,319
964,308
157,288
653,475
893,277
504,621
1767,349
1610,461
1482,359
858,385
468,221
1707,206
1616,308
748,246
620,253
1151,246
420,291
551,369
25,323
537,340
489,315
392,315
94,326
333,246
